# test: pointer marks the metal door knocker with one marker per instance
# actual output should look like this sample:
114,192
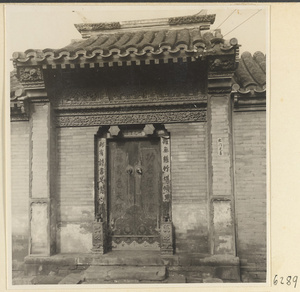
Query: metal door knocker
129,170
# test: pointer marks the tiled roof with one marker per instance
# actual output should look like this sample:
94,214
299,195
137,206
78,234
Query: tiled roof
142,41
250,75
124,46
251,72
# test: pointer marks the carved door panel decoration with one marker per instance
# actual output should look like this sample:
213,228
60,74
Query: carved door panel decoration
134,193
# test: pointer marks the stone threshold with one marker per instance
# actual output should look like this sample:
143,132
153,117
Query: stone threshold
116,263
119,258
138,258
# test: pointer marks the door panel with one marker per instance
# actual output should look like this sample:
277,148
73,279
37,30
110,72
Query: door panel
150,182
120,193
134,193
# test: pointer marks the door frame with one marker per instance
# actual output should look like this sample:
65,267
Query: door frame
100,224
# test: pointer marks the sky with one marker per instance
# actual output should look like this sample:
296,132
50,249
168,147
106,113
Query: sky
52,26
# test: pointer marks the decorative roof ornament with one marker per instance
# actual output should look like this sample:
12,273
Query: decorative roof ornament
210,18
82,27
201,21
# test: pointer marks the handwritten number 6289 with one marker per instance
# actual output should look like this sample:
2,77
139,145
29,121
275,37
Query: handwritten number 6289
289,280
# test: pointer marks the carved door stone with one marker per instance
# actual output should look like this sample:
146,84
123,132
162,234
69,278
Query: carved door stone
134,198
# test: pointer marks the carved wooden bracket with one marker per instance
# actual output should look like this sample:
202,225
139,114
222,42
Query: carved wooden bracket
222,64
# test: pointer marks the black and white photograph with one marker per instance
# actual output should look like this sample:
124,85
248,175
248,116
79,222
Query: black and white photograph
138,139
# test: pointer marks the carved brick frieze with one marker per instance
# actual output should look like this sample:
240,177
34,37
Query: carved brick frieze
222,64
133,109
166,239
80,96
72,97
96,119
99,237
155,92
134,243
30,74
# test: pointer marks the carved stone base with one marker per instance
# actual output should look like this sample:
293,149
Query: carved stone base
99,238
166,238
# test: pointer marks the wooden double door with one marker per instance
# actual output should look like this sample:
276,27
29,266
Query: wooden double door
134,193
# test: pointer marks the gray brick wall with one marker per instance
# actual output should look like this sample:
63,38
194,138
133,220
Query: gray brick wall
189,186
19,190
250,192
75,187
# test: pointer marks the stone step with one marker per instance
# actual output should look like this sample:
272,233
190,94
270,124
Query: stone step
46,280
73,278
112,273
212,280
175,278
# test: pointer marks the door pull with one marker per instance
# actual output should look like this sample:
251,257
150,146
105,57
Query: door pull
139,170
129,170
